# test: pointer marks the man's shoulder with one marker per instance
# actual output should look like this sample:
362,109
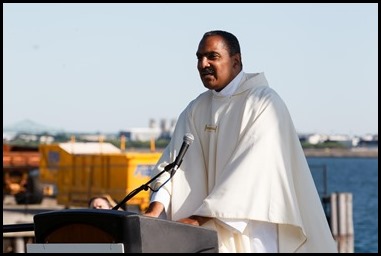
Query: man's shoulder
253,83
202,98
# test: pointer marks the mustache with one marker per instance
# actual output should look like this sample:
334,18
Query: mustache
207,71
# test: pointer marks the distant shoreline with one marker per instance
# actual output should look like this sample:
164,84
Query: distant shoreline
339,152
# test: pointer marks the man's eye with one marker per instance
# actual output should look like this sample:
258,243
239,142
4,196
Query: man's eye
212,56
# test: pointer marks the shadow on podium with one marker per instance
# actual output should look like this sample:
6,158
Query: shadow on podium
97,230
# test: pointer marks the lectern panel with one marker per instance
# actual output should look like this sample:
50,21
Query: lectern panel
78,233
136,232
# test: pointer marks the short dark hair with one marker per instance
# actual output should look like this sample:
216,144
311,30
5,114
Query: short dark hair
101,197
230,40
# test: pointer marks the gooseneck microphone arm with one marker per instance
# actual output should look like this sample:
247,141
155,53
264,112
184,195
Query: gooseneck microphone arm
187,140
145,187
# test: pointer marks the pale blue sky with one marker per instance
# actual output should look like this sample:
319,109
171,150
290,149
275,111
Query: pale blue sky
108,67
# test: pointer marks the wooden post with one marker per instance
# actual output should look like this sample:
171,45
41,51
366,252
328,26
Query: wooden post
152,144
341,221
19,245
123,143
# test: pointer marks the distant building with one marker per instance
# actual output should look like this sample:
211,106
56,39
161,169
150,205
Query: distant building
317,138
344,140
164,131
141,134
370,141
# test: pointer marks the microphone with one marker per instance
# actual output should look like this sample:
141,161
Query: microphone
188,139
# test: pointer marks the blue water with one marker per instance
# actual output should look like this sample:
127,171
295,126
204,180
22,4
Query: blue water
358,176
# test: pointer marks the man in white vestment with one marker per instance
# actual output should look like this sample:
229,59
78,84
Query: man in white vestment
245,174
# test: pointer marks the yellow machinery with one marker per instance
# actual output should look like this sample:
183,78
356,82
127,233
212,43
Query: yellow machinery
74,172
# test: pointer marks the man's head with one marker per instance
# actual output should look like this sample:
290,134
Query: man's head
218,59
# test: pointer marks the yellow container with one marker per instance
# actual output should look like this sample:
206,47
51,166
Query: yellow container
48,168
83,171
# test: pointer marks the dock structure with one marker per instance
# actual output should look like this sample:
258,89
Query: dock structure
341,221
338,208
15,242
22,215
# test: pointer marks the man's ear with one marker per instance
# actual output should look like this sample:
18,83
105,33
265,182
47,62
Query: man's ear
237,60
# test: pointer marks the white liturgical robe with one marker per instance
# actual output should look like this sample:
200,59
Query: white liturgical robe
245,164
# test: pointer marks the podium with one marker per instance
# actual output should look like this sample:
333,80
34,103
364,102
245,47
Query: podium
127,232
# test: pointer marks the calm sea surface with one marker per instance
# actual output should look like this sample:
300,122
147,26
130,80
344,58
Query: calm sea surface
358,176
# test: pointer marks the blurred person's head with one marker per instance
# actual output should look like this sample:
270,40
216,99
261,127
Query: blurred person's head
100,202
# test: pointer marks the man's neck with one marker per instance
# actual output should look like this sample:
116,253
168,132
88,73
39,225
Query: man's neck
231,87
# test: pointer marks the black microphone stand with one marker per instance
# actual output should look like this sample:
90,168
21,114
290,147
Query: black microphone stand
145,186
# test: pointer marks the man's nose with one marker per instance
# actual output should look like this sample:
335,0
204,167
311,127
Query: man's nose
203,63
